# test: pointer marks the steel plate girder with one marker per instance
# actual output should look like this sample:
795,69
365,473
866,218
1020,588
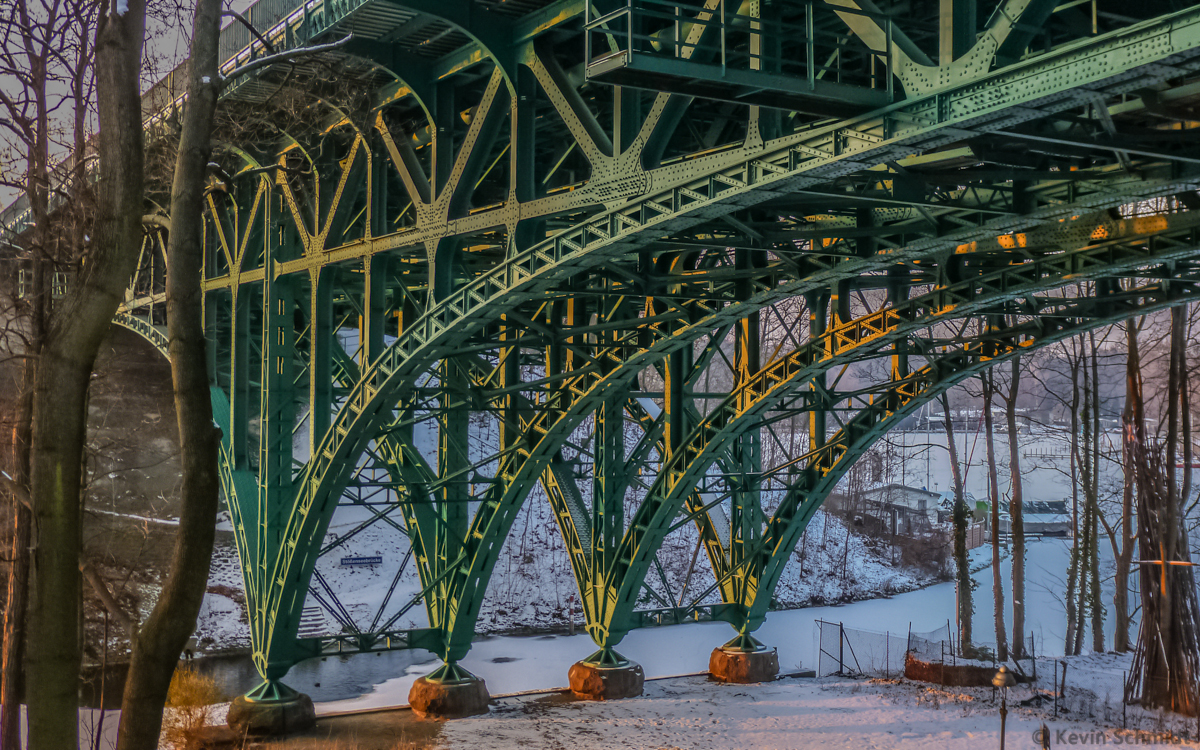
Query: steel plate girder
597,240
708,187
903,399
1040,86
501,509
744,409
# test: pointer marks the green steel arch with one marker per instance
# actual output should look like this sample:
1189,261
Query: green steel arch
506,229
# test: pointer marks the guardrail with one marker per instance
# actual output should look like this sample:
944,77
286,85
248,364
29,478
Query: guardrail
800,47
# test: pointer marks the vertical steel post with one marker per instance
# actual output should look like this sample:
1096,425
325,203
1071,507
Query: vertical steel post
810,45
320,358
722,27
746,517
957,25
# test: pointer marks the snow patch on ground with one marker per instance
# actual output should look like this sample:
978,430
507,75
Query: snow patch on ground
805,714
789,714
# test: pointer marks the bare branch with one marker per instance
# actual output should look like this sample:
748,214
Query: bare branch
249,26
107,599
263,62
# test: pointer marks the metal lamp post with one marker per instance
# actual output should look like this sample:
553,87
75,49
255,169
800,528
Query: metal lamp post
1003,680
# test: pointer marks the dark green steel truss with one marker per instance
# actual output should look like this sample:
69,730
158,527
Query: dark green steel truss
618,251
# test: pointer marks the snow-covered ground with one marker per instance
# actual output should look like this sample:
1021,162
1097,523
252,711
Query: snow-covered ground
532,586
512,664
794,714
798,714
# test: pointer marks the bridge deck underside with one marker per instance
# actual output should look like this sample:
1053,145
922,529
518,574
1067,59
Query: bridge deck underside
469,262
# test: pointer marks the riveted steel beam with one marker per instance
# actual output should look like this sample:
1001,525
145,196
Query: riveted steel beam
494,239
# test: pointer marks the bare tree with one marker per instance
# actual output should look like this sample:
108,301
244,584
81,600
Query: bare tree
161,638
73,336
1015,510
1167,658
1123,551
989,390
45,82
966,607
157,644
1092,490
1077,581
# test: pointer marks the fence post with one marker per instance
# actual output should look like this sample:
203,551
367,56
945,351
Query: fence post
1033,655
841,649
887,655
1064,681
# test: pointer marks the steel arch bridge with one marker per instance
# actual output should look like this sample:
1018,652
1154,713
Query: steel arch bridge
621,251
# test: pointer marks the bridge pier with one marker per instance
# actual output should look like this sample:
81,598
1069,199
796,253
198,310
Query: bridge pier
273,709
449,692
743,660
606,675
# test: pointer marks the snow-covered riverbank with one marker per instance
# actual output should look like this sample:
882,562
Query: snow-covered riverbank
512,664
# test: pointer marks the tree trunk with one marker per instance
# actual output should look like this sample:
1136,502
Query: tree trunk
1124,553
60,398
989,389
34,306
1079,480
1077,537
162,636
1015,510
16,603
14,627
1094,601
966,608
1167,658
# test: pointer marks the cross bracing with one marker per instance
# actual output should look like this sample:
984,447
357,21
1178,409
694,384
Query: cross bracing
468,254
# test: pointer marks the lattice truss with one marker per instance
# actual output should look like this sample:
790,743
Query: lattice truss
670,266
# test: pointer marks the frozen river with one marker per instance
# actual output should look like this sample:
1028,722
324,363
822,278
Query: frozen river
514,664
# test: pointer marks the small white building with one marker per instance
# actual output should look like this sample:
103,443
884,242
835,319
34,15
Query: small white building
904,509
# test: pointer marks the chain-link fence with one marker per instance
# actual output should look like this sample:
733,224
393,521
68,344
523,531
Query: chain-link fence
853,651
935,647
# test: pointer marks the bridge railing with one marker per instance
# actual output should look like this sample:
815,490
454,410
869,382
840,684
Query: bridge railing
801,40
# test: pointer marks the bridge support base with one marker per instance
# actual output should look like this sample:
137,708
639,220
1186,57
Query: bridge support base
606,676
744,660
271,709
450,692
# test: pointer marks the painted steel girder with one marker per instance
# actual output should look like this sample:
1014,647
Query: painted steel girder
870,335
592,554
764,562
251,588
840,345
512,502
1085,64
714,193
590,238
1063,266
828,468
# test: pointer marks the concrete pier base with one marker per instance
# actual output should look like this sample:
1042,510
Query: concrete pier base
606,676
743,660
450,692
272,709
